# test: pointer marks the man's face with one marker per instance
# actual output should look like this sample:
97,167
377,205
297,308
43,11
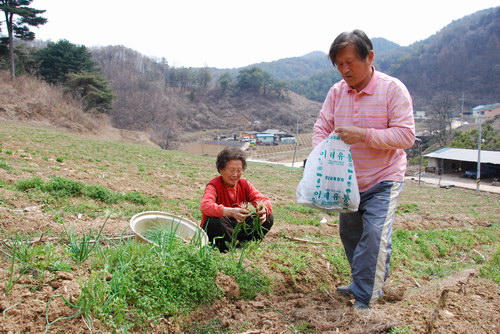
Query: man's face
355,71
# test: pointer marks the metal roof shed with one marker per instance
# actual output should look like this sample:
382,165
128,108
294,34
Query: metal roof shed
461,154
459,159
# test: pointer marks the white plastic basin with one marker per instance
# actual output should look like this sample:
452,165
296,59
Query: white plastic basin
144,223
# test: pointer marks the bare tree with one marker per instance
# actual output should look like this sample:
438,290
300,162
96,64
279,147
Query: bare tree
439,120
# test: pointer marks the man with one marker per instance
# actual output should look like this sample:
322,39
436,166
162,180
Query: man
373,113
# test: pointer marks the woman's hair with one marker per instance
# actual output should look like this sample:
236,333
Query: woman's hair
356,38
230,153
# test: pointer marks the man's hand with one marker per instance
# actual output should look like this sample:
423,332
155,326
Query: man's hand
351,134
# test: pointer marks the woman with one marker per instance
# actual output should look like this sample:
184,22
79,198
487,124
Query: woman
226,218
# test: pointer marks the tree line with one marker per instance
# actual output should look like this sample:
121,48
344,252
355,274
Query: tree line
72,66
156,97
61,63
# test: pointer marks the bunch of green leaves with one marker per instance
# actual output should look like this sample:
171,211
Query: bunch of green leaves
4,165
148,281
81,247
33,255
250,280
35,259
17,248
254,226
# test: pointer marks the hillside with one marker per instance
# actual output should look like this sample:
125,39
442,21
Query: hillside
460,58
292,68
58,189
33,101
146,102
311,75
311,64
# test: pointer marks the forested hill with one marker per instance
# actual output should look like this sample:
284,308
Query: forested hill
311,64
463,57
169,102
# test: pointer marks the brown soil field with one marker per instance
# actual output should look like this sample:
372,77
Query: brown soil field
462,302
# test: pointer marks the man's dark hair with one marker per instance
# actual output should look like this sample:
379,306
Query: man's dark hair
230,153
356,38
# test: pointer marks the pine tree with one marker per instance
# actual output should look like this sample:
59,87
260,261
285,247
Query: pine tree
59,59
92,88
19,27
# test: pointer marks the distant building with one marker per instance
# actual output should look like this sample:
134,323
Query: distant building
419,114
453,160
266,139
487,111
275,132
278,134
289,140
249,134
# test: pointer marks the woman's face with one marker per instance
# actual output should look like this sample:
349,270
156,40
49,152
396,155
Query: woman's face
232,172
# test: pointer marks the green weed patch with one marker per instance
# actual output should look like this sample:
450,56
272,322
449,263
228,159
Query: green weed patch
33,260
152,282
5,166
60,187
438,253
297,215
132,283
407,208
491,269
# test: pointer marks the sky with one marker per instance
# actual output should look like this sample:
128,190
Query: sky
235,33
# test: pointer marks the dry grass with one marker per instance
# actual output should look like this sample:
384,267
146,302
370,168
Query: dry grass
30,99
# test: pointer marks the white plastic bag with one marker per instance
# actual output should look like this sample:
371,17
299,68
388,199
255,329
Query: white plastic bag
329,180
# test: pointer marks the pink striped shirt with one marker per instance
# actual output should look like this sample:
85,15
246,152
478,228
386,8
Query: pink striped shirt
384,107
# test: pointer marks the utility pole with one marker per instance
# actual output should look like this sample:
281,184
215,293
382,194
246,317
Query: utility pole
463,97
296,142
479,139
420,143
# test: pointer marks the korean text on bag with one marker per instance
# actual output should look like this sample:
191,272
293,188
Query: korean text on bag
329,180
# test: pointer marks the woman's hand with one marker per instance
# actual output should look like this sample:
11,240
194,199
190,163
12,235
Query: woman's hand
237,213
262,214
